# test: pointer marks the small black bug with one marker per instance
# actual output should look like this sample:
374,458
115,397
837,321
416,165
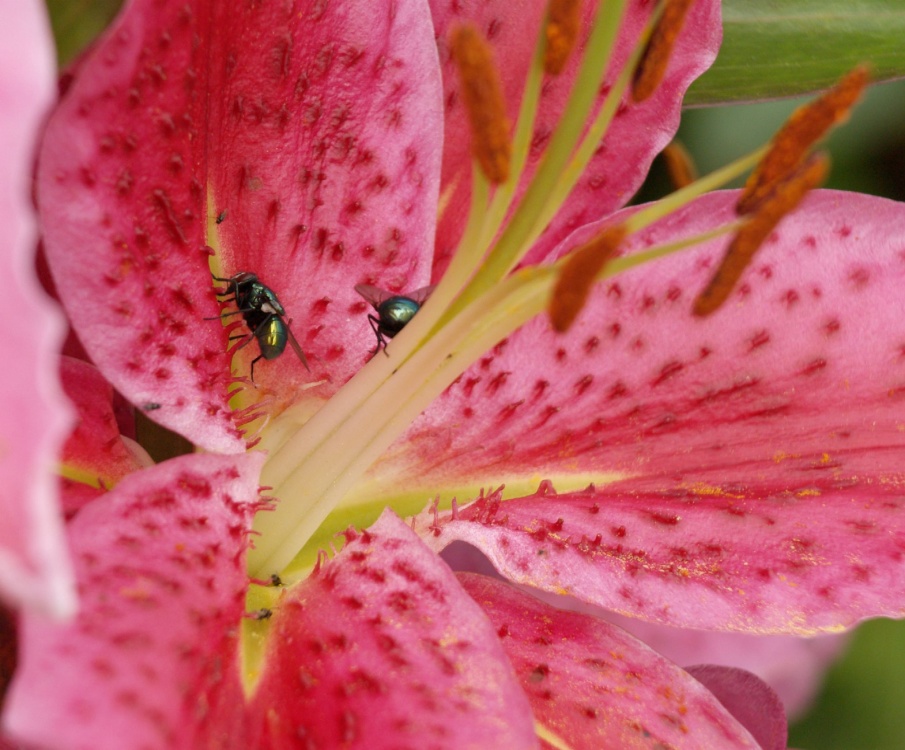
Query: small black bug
264,316
394,311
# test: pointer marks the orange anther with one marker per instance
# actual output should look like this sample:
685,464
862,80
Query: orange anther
579,274
679,165
656,56
484,102
563,23
783,199
807,125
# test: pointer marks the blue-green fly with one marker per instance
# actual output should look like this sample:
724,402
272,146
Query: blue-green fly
394,311
264,315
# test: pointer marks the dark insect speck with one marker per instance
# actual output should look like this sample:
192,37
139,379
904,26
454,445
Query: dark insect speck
264,316
394,311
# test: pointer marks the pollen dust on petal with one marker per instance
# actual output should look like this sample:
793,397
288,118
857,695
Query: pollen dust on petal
482,93
579,274
808,124
783,199
653,63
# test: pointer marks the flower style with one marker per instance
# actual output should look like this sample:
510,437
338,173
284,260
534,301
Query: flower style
741,466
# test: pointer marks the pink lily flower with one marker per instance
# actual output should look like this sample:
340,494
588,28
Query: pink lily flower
307,147
34,569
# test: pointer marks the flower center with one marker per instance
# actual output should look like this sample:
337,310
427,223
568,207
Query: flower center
484,295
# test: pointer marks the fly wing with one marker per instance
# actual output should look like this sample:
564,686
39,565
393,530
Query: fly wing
293,342
373,294
421,295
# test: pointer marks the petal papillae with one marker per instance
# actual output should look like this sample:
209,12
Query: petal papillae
303,147
381,648
770,431
34,569
592,685
151,660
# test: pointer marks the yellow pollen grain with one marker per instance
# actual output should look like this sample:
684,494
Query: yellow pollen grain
579,274
784,198
656,56
563,23
807,125
482,93
679,165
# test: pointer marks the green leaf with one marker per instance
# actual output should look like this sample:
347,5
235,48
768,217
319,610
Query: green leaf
776,48
76,23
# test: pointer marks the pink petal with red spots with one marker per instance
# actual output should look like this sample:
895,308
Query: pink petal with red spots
799,379
749,699
764,442
284,124
95,449
593,685
34,569
151,659
793,667
762,559
382,649
638,133
331,130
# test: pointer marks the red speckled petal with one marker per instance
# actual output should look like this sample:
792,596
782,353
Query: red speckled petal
121,192
799,379
151,659
290,123
594,686
765,442
638,133
333,129
34,569
763,559
95,449
793,667
749,699
383,649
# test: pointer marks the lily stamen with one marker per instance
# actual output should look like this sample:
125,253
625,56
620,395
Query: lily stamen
784,198
656,56
482,93
807,125
563,24
679,165
579,274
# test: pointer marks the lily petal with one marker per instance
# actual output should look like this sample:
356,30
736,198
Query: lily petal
593,685
802,375
381,648
95,456
295,129
764,561
34,568
762,446
749,699
638,133
793,667
160,564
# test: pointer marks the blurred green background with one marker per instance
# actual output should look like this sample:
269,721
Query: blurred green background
862,703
